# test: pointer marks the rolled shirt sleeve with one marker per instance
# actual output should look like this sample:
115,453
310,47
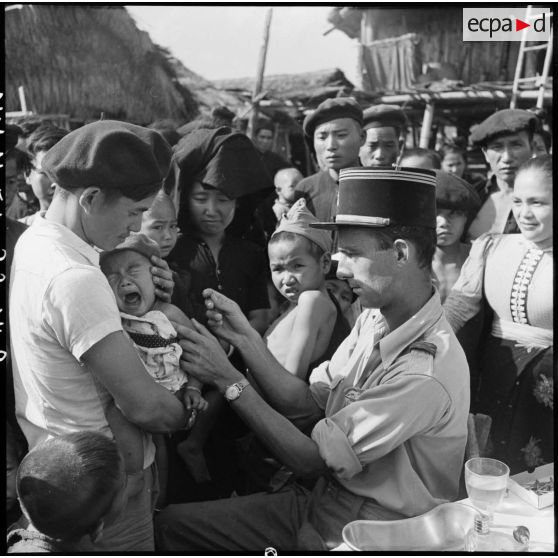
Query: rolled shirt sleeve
381,419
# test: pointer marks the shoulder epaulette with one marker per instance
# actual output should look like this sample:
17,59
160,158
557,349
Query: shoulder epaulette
425,346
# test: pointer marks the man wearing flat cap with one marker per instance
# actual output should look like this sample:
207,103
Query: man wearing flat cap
335,128
71,356
387,415
385,127
506,139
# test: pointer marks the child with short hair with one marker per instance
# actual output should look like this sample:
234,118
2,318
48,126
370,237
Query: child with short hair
159,223
456,202
38,143
312,326
69,487
149,324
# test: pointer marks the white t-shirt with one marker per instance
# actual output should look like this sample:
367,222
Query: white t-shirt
60,306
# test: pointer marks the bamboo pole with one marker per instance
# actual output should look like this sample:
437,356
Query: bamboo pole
253,122
426,129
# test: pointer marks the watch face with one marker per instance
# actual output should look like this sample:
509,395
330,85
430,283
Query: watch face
232,392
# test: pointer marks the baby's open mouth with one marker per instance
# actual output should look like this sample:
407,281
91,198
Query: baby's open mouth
132,298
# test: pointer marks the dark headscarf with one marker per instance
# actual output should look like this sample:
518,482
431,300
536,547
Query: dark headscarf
224,160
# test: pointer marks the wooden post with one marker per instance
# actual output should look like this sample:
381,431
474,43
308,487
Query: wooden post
22,102
426,125
253,122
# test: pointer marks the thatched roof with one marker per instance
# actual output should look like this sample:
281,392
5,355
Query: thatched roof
308,88
206,93
84,61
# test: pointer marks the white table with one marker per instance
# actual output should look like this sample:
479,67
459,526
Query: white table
513,512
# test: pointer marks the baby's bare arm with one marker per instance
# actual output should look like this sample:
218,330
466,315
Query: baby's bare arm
173,313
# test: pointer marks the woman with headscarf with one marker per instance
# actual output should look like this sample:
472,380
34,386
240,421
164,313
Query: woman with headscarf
220,179
216,181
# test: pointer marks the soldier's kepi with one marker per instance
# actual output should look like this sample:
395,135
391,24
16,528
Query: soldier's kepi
382,197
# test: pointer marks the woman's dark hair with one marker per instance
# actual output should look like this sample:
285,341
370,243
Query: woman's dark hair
450,148
542,163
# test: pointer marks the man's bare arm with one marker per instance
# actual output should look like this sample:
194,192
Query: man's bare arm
116,364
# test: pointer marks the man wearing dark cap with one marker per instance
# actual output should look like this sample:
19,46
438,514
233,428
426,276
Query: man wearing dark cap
335,128
387,414
506,139
385,127
69,349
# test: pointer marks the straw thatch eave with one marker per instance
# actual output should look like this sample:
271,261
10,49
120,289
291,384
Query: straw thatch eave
84,61
309,88
205,93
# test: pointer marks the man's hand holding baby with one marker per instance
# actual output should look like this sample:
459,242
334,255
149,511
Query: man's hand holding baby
162,277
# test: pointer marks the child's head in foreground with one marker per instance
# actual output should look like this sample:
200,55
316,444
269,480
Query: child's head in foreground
159,223
128,270
71,486
299,256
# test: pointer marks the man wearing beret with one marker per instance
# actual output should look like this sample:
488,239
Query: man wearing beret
387,415
335,128
70,353
385,127
506,139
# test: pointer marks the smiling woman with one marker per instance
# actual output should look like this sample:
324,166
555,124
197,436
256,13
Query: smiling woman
514,274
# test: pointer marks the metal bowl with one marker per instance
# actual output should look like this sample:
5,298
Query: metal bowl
441,529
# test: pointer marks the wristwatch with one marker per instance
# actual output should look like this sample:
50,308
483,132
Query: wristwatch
232,392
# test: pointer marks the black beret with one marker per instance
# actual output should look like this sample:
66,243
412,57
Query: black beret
109,154
13,133
223,112
453,192
331,109
507,121
384,115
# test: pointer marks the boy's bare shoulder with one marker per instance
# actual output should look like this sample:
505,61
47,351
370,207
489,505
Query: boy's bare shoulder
316,300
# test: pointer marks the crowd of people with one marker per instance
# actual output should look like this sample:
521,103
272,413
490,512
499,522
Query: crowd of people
212,352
